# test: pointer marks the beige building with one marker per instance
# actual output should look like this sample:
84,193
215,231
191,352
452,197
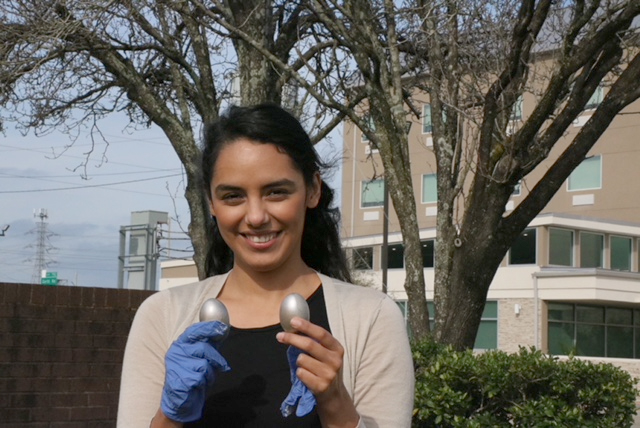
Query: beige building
570,284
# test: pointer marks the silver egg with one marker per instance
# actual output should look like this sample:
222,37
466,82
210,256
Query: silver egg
214,310
294,305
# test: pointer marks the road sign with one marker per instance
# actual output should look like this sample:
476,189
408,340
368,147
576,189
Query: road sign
51,275
49,281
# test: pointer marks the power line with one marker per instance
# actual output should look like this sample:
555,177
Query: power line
88,186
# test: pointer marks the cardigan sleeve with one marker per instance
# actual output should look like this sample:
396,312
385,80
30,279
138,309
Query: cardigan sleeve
384,381
143,365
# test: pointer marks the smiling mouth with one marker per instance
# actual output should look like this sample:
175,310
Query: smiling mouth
261,239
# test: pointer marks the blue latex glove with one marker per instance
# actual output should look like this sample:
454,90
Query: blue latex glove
191,364
300,398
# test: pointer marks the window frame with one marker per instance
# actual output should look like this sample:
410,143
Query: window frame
535,249
363,183
602,259
354,250
599,94
573,246
518,109
422,189
630,239
582,189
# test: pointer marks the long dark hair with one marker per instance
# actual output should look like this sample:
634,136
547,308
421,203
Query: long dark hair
270,124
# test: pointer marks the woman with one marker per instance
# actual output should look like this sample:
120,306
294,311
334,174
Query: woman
275,233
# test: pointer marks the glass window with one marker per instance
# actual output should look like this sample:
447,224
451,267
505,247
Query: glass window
517,189
516,113
362,258
588,175
427,125
428,253
523,250
590,340
621,253
369,121
596,331
372,193
560,312
596,98
591,250
561,247
487,337
429,189
395,256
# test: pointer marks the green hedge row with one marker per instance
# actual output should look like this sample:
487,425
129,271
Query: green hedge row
525,389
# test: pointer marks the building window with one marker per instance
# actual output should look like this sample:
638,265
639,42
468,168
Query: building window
591,250
372,193
395,256
516,113
596,99
369,123
428,253
561,247
487,336
429,189
517,189
587,176
593,331
362,258
523,250
621,250
427,125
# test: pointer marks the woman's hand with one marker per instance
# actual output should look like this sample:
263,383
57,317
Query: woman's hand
319,369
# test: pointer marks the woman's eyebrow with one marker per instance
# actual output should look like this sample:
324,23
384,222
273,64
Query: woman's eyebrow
281,183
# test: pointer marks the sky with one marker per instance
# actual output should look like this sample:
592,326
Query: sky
137,171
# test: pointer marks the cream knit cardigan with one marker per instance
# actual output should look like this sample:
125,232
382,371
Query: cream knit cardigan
377,371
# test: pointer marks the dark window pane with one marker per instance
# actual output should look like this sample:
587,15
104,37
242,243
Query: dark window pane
490,310
591,247
560,247
636,317
590,314
428,253
560,312
590,340
620,316
362,258
620,342
523,250
620,253
637,342
395,256
487,337
561,338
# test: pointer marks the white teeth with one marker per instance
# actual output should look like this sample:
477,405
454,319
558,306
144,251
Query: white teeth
261,239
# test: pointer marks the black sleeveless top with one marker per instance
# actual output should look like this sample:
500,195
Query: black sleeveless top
249,396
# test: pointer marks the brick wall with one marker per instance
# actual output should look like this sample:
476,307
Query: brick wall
61,352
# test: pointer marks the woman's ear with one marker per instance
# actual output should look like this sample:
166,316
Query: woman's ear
211,210
315,191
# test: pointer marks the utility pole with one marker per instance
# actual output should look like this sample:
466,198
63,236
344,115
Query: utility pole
41,261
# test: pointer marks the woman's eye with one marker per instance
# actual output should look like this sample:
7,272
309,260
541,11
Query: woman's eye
279,192
231,196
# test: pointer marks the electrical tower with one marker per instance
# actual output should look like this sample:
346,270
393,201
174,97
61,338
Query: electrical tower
42,245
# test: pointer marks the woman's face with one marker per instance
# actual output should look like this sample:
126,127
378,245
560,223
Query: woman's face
259,199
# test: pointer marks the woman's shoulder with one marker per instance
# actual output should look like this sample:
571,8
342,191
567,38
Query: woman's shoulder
184,295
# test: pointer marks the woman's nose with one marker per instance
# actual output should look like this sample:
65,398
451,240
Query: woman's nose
256,213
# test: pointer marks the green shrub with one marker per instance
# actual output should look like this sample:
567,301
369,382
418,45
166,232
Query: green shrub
525,389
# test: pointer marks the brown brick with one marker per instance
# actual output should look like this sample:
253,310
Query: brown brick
70,369
69,399
23,370
67,424
102,399
15,415
100,297
24,293
75,296
63,296
50,414
88,297
88,413
10,293
29,400
37,296
7,310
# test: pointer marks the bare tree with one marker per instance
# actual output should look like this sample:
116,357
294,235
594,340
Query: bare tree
67,64
474,59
